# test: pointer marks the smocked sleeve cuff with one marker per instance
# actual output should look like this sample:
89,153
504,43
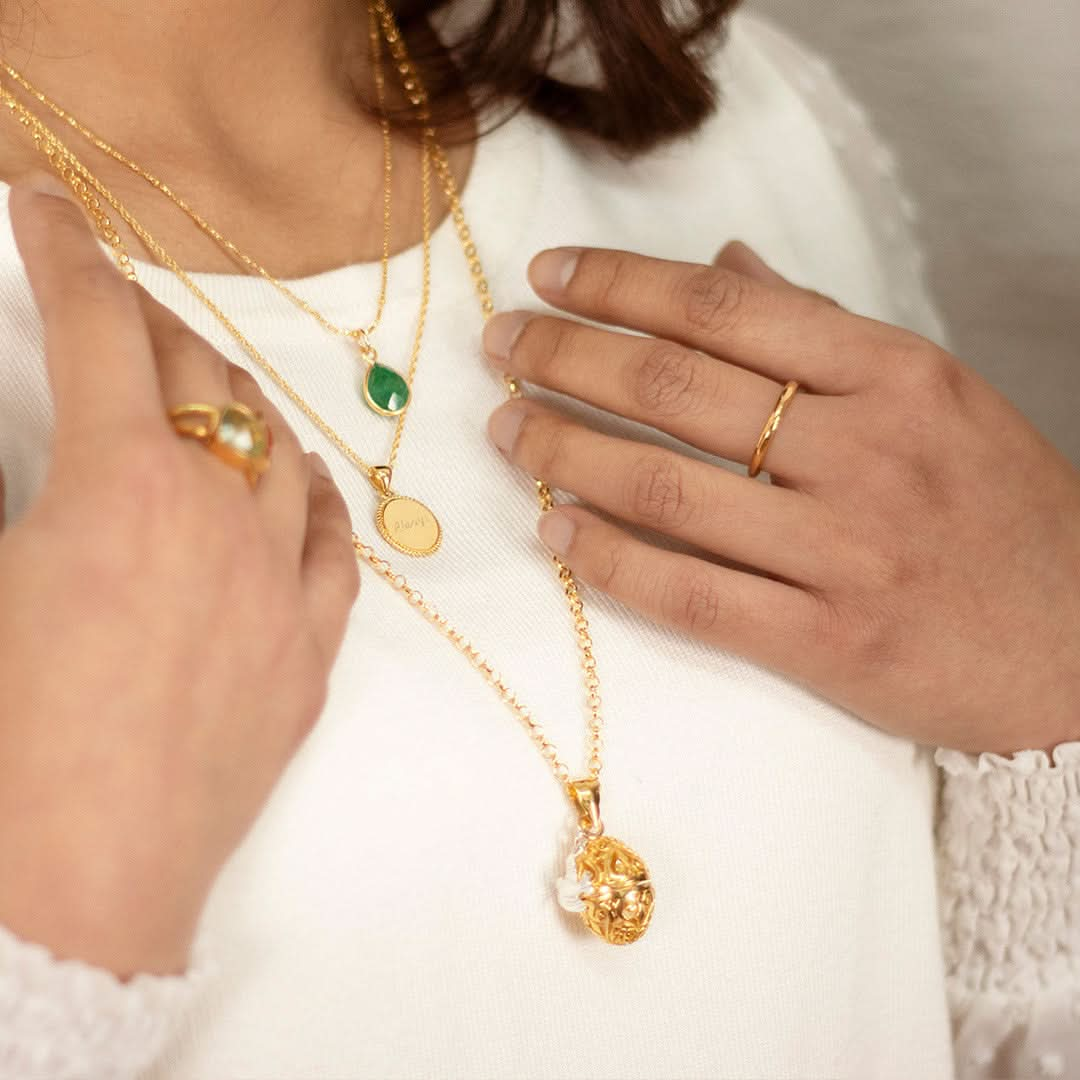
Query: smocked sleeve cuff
1009,871
67,1020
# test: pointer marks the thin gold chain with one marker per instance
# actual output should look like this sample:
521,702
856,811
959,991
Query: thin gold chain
85,185
162,187
362,335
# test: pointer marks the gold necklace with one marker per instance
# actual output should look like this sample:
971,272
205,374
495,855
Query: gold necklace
406,523
606,882
383,389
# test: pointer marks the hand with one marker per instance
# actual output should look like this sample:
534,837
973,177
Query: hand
166,634
916,558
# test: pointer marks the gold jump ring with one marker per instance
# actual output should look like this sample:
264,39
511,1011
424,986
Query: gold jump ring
769,430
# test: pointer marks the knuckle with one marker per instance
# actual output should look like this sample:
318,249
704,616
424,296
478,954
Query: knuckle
825,299
541,445
96,282
713,300
926,372
889,569
549,346
864,636
175,336
667,380
692,601
909,475
610,567
656,492
65,225
245,384
343,565
601,279
328,504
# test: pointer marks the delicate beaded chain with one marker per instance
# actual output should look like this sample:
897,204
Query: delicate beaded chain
91,191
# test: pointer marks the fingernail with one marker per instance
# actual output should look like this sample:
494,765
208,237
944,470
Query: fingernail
504,425
319,466
551,271
557,531
501,333
47,183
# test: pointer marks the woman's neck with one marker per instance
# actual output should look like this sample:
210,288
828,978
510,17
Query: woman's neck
249,108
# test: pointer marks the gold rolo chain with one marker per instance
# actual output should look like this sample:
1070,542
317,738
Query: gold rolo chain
92,191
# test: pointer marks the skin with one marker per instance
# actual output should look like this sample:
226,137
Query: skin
128,736
916,558
134,752
260,95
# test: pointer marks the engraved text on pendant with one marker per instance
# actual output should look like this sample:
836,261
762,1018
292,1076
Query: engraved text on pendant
408,525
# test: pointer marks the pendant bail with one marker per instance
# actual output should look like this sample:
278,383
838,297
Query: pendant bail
368,355
585,796
380,477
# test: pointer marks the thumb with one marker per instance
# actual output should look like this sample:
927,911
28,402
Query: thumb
741,259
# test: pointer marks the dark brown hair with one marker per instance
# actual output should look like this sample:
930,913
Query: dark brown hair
649,59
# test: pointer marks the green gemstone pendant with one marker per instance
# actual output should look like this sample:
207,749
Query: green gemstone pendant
385,390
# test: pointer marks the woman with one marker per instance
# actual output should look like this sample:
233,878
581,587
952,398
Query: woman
776,661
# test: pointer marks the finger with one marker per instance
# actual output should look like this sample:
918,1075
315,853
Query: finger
193,371
330,573
708,403
773,529
767,621
190,370
740,259
97,349
781,334
284,488
3,500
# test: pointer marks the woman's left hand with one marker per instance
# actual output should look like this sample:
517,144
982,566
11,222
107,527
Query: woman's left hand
916,558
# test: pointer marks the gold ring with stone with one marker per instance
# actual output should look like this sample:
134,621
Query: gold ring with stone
769,430
237,435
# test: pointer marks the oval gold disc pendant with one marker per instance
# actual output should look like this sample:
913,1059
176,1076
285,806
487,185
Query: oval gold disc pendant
408,525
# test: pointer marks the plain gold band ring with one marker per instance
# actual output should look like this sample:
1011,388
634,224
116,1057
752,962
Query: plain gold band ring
237,435
769,430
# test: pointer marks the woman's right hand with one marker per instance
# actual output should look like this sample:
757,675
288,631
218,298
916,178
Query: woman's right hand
166,634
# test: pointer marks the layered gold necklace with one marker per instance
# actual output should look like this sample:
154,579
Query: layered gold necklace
405,522
606,882
385,391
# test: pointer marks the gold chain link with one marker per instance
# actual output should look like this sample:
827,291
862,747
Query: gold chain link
91,191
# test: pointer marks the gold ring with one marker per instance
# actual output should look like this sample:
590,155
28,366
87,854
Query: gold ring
769,430
239,436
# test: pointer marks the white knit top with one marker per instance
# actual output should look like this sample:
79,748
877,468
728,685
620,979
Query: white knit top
393,913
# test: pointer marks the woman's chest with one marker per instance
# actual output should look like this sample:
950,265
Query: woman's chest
393,912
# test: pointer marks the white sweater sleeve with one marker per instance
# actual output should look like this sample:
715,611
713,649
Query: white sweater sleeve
1008,831
66,1020
1009,869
